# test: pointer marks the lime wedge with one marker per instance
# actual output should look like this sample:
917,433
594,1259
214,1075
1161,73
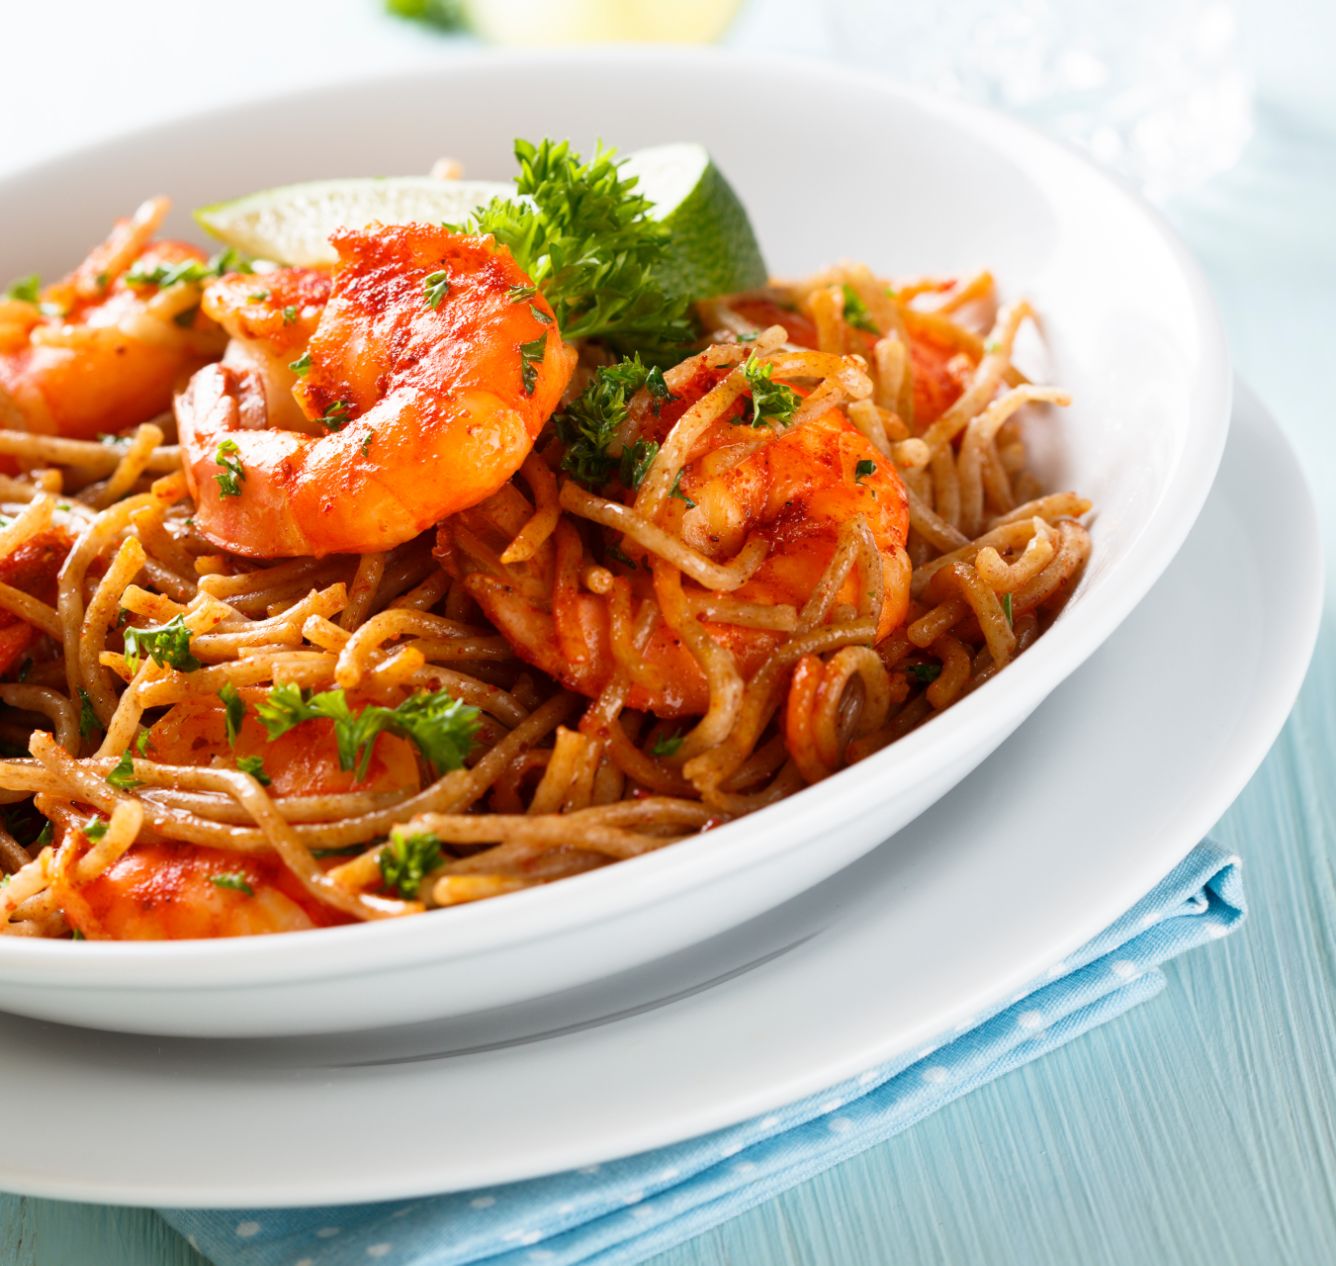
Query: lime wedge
711,247
292,224
599,21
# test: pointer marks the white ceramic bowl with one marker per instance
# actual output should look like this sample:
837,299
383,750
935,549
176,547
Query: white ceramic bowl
831,165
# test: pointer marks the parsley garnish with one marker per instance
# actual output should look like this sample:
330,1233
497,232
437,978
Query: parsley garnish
531,354
122,775
94,829
44,836
924,674
257,296
290,315
539,315
302,364
636,461
588,425
337,416
668,746
192,270
234,711
366,443
856,313
237,883
141,742
586,239
676,490
771,401
26,289
864,468
408,859
234,474
166,645
254,766
620,555
88,719
348,850
518,294
439,725
1006,609
437,286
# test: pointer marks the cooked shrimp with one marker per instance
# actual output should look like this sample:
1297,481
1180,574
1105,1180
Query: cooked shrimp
428,374
792,490
32,569
101,351
171,891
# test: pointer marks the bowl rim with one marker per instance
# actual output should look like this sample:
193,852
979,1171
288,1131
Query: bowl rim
695,861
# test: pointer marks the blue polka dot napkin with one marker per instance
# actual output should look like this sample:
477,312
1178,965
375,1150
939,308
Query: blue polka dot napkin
625,1211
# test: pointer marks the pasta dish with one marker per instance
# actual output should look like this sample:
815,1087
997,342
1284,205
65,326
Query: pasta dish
482,558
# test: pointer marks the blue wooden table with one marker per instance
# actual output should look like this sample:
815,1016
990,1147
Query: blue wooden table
1199,1128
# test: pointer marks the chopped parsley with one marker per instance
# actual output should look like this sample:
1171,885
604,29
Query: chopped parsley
1006,609
122,775
302,364
437,286
637,458
348,850
45,835
94,829
141,742
923,674
856,313
771,401
337,416
441,727
676,490
668,746
258,296
621,556
167,645
366,443
587,239
234,474
518,294
290,314
234,711
864,468
539,315
191,270
88,719
237,883
406,860
589,424
254,766
26,289
531,354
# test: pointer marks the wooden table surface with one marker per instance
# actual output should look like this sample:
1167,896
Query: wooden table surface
1201,1127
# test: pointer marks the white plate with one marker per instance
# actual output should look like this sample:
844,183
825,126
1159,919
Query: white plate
1118,774
873,172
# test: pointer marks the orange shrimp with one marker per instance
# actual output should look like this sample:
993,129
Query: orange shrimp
100,352
428,375
167,890
32,568
793,490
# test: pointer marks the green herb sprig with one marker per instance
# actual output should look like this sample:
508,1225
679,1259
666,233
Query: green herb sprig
442,728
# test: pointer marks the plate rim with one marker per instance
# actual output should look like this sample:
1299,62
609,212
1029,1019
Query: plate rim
533,915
